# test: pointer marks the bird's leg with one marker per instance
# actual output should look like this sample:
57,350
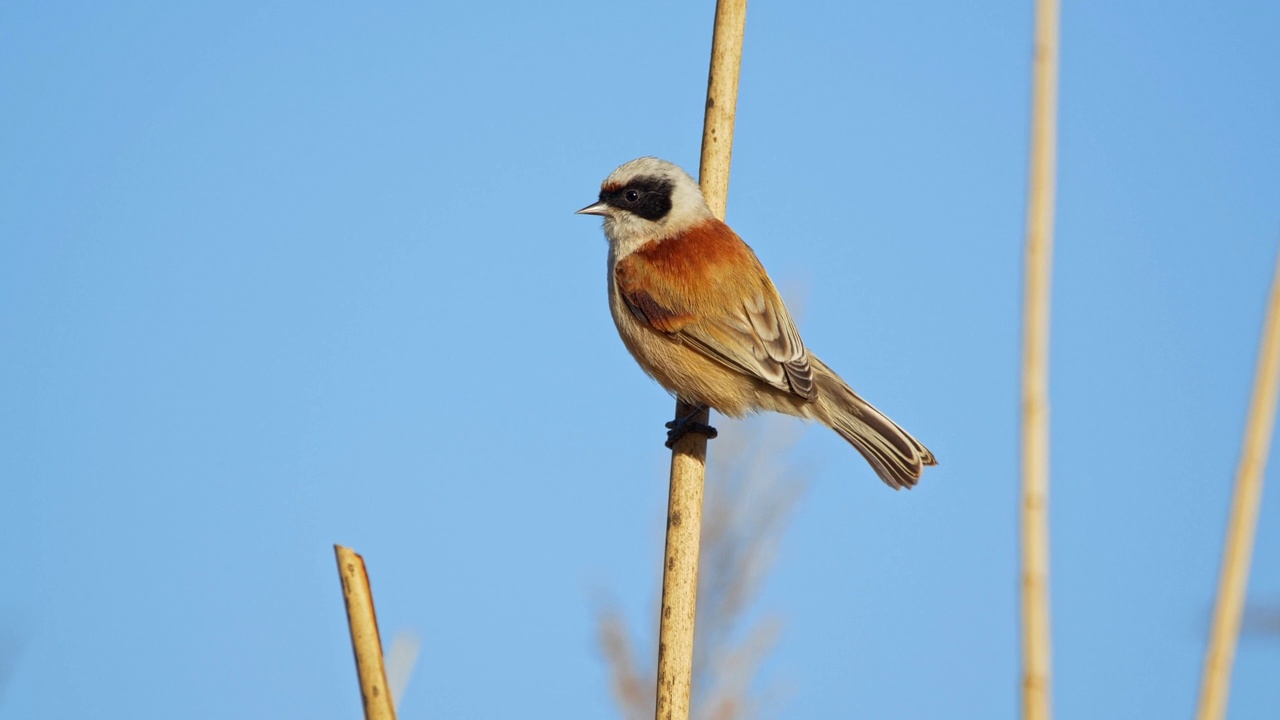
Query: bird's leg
682,426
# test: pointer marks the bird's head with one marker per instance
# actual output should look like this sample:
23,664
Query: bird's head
647,199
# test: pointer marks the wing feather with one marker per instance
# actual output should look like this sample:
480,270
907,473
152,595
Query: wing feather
743,325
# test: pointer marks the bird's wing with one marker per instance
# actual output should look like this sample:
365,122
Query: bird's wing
736,319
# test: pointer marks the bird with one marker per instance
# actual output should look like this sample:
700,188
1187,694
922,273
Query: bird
697,311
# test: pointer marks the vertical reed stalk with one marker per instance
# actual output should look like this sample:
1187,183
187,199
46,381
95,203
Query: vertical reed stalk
365,642
1036,648
689,456
722,103
1215,683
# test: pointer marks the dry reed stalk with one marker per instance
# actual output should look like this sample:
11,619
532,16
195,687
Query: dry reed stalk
1036,681
365,642
689,455
722,103
751,494
1215,683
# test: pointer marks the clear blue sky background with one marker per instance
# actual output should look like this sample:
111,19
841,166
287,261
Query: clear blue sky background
275,276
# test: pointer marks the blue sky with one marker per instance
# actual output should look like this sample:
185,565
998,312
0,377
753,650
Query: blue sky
278,276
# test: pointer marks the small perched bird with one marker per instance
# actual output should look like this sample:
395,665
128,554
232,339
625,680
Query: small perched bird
698,312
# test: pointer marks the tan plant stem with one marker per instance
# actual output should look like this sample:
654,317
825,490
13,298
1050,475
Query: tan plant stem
689,455
365,642
1036,645
1215,683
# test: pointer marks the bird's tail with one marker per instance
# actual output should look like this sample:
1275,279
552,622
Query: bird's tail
897,458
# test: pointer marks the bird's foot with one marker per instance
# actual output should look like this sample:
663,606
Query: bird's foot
682,426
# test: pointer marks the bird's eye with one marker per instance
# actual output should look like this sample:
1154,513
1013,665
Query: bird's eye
631,195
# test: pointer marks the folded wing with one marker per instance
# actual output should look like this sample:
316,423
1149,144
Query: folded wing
737,319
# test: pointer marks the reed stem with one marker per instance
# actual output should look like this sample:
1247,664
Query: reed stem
365,642
689,455
1036,644
1215,683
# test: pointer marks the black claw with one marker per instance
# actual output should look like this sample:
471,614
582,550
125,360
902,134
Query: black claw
680,427
674,434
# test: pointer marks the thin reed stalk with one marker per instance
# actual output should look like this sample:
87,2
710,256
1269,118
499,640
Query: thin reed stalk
1215,683
365,642
1036,646
689,455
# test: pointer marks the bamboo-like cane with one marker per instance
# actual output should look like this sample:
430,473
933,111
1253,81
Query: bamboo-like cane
365,641
1215,684
1036,679
722,103
689,456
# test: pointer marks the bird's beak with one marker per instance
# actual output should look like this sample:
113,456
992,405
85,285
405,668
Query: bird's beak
598,208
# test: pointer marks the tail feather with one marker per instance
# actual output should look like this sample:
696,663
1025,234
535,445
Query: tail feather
897,458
